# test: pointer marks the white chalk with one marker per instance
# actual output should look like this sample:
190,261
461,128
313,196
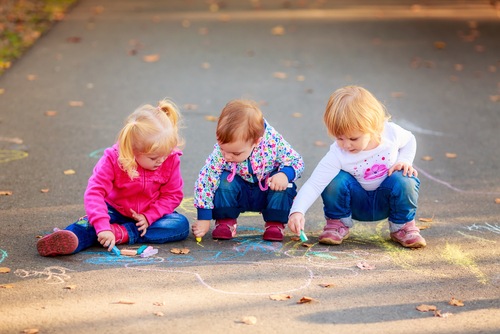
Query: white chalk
149,253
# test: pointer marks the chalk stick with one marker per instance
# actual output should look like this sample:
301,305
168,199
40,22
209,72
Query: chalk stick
149,253
303,236
129,252
116,251
149,248
141,249
198,239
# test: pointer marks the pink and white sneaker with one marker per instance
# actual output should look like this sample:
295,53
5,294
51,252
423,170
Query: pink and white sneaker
274,231
334,232
224,229
60,242
409,236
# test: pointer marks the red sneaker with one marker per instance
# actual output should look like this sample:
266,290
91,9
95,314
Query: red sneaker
274,231
409,236
58,243
334,232
224,229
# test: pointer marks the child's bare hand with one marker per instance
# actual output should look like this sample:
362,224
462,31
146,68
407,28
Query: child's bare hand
200,228
107,239
278,182
296,222
406,168
142,222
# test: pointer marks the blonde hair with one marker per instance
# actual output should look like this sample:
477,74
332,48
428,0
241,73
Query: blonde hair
353,108
149,130
240,120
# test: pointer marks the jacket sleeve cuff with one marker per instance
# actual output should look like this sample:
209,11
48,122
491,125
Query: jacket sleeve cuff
289,172
101,225
204,214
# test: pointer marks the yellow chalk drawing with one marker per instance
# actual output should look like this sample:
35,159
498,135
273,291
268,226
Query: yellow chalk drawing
9,155
482,240
454,255
187,206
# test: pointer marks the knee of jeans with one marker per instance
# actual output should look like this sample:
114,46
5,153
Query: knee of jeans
224,184
339,182
404,183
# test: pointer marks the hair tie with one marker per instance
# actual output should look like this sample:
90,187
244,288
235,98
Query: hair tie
135,123
159,108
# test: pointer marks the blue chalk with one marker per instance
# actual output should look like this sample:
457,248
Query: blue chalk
303,236
116,251
141,249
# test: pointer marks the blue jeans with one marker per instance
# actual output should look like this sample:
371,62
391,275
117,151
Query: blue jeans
396,199
172,227
233,198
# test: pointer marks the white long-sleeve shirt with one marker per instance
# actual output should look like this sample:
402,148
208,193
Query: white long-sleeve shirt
368,167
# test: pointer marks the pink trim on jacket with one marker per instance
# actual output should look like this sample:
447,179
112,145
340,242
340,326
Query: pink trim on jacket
153,194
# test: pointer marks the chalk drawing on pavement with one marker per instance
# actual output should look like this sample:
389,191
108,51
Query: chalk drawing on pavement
3,255
9,155
109,259
487,227
56,274
324,256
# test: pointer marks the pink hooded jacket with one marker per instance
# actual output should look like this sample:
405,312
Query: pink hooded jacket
153,194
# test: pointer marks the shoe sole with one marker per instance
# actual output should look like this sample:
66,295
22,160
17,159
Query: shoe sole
58,243
329,241
418,244
271,239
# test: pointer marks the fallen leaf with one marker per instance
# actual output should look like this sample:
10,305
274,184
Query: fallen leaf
423,227
455,302
320,143
444,315
211,118
472,24
190,106
451,155
76,103
301,78
454,78
50,113
307,245
5,193
31,331
280,297
97,9
494,98
70,287
426,308
123,301
307,300
328,285
396,94
427,158
250,53
279,75
131,52
225,18
31,77
38,236
159,303
479,48
497,200
249,320
205,65
69,172
203,31
7,286
186,23
297,115
426,220
156,19
151,58
478,74
4,270
262,103
415,8
2,90
45,190
429,64
376,41
295,238
179,251
159,314
74,39
365,266
439,45
459,67
278,30
308,91
90,26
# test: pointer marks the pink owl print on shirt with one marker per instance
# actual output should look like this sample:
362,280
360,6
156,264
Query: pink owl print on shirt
375,172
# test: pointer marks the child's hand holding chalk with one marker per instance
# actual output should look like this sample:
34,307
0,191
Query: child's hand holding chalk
303,236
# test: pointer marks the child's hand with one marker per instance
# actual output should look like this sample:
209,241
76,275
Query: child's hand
407,169
106,238
200,228
142,222
296,222
278,182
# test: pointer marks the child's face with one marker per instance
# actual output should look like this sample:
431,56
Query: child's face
356,141
151,161
237,151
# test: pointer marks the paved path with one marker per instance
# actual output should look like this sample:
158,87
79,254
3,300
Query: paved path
386,48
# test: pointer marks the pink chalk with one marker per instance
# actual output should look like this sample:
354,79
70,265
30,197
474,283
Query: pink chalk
149,248
147,253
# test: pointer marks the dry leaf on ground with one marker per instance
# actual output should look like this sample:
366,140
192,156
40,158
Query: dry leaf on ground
224,18
131,52
278,30
365,266
328,285
307,245
444,315
38,236
279,75
492,69
203,31
50,113
159,303
31,331
76,103
426,220
297,115
451,155
439,45
459,67
426,308
494,98
205,65
159,314
69,172
307,300
423,227
427,158
74,39
262,103
70,287
308,91
97,10
479,48
4,270
45,191
190,106
497,200
295,238
429,64
301,78
179,251
397,94
455,302
211,118
31,77
186,23
5,193
280,297
7,286
151,58
249,320
454,78
123,301
320,143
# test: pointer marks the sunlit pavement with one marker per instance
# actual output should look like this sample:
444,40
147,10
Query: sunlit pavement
434,64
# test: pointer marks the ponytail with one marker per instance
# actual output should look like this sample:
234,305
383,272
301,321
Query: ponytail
170,110
126,156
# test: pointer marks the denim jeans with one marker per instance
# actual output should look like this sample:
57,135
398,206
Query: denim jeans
172,227
396,199
238,196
